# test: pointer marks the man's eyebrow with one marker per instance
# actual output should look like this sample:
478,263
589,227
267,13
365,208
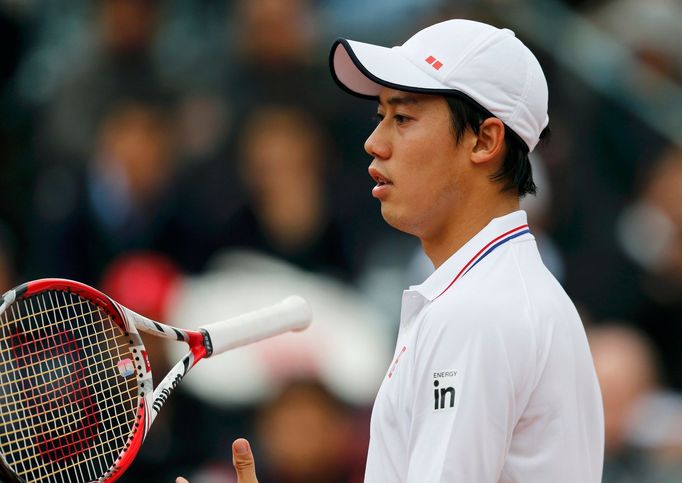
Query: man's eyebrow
402,99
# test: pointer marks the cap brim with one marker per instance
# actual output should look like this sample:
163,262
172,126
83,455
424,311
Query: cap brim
364,69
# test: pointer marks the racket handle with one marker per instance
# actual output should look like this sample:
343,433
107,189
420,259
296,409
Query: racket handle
293,313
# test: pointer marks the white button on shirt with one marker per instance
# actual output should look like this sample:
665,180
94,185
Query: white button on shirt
492,378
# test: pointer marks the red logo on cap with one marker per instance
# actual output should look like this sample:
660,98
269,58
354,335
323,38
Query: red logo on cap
433,62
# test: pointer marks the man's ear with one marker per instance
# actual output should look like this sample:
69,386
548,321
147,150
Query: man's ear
490,143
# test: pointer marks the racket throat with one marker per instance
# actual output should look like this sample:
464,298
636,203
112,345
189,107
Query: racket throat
169,383
208,345
164,393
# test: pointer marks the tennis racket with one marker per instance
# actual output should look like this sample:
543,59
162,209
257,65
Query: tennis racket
76,395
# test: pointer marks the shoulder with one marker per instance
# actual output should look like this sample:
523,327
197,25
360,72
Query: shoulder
515,285
510,295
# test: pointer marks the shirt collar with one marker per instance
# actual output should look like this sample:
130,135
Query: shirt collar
498,231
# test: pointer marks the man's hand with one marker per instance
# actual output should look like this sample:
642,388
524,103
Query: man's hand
242,459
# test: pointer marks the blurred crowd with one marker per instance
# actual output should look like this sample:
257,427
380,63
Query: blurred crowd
193,158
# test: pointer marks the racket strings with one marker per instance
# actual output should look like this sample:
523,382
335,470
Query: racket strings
109,428
47,312
58,323
63,393
41,361
51,473
116,389
110,418
53,444
113,452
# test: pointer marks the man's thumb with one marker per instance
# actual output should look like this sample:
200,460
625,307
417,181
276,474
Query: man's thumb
242,458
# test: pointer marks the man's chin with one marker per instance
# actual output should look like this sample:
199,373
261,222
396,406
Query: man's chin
396,221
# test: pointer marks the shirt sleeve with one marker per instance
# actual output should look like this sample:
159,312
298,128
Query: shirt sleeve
470,377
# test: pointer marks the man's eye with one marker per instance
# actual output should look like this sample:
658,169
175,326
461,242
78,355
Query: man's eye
400,119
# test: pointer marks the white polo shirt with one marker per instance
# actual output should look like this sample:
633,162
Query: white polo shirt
492,378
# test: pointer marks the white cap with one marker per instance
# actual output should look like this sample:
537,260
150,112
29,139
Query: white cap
487,65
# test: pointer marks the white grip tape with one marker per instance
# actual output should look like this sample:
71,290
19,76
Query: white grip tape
293,313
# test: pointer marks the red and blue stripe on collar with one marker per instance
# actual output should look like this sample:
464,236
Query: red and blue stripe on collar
486,250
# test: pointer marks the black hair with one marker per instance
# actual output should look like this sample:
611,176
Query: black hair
516,172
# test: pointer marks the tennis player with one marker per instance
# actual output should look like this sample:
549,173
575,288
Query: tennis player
492,378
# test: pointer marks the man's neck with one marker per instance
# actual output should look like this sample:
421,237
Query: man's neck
462,228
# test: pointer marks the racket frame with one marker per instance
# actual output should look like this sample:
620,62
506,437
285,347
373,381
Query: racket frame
292,314
150,399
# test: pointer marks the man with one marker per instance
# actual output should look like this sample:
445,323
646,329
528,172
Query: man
492,379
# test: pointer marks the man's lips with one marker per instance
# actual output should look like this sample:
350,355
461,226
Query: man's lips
383,183
379,177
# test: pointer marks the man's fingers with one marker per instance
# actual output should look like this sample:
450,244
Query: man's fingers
242,458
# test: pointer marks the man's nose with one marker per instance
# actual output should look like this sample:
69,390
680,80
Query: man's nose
377,145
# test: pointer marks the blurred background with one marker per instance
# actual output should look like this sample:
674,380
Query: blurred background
194,159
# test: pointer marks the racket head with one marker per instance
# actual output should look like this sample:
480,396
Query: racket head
75,384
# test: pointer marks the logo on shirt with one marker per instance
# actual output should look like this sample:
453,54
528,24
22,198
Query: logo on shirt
444,390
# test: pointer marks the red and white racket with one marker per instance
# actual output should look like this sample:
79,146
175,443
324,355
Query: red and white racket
76,395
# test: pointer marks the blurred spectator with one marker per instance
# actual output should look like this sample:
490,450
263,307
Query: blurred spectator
284,163
273,59
651,228
628,373
115,63
307,435
650,234
658,428
651,29
626,366
302,434
120,201
277,59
